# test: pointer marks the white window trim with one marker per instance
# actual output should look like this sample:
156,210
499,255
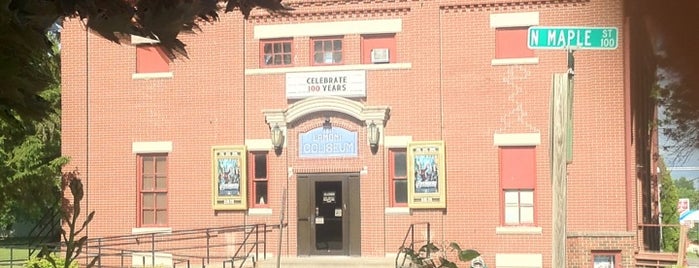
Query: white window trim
397,141
146,76
259,211
516,139
140,40
520,19
162,259
328,28
367,67
144,147
509,20
151,230
397,211
514,61
518,230
259,144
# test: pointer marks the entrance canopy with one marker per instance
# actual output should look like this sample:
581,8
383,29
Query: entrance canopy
689,216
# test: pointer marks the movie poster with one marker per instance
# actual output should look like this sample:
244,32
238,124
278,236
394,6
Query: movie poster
229,189
426,176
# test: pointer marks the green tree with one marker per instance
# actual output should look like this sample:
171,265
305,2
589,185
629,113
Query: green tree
30,155
668,206
678,61
23,41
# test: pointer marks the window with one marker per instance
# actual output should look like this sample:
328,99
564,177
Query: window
518,181
258,178
327,51
151,58
606,259
519,207
399,183
511,42
275,53
152,187
378,42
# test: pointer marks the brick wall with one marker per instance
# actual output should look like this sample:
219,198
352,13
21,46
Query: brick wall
451,92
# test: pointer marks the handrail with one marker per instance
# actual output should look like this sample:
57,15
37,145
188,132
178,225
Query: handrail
116,251
411,233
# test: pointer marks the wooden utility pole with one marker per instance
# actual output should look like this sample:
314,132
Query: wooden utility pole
559,159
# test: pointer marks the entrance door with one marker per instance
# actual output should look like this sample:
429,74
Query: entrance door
325,213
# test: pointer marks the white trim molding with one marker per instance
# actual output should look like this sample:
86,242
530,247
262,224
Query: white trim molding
521,19
259,211
141,147
397,141
352,67
151,230
151,259
138,40
397,211
259,144
518,260
517,139
328,28
518,230
514,61
146,76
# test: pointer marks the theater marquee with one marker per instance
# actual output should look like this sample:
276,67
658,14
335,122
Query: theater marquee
350,84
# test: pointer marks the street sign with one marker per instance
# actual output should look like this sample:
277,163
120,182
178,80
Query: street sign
599,38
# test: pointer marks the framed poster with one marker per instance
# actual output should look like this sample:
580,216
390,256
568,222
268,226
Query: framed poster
426,175
229,177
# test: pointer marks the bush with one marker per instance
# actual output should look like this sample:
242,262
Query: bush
44,262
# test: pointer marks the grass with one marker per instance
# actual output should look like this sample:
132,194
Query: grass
17,254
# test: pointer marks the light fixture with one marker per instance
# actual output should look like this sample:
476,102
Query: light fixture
277,137
373,135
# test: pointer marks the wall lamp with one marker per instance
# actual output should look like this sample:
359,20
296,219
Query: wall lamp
373,135
277,137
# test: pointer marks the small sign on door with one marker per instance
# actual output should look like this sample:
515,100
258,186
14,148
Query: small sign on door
329,197
338,212
320,220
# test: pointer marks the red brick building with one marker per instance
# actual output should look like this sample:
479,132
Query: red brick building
458,105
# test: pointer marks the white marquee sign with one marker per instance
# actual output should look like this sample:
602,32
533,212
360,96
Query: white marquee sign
349,84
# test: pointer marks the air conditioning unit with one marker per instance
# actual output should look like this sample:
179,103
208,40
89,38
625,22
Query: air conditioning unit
379,55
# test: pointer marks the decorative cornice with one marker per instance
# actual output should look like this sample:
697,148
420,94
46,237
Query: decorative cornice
331,14
336,3
510,5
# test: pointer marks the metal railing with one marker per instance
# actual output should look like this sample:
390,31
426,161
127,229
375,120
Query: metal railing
184,247
410,234
230,246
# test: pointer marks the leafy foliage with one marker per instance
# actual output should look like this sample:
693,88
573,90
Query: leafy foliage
73,242
669,23
30,154
432,256
668,206
45,262
24,45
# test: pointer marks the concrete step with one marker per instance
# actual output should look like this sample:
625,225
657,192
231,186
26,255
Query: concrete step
329,261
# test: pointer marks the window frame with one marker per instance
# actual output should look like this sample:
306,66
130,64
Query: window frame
615,253
372,41
527,183
312,50
252,178
499,49
519,205
272,42
393,178
141,191
142,68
